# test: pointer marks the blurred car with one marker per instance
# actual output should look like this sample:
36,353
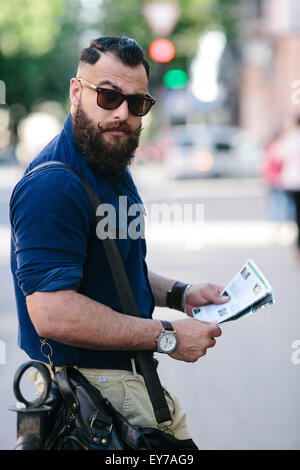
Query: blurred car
212,151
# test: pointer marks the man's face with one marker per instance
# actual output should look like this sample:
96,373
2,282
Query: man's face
110,147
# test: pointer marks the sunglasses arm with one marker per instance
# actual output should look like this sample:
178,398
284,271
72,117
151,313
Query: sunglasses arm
89,84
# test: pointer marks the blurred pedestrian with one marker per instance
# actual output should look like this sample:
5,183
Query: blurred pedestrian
280,204
270,173
288,156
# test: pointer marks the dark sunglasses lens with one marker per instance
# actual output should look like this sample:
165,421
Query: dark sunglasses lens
138,105
109,99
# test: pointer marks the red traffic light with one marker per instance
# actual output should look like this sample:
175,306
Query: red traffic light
162,50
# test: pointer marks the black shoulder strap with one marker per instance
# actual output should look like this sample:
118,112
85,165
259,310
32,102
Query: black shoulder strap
127,300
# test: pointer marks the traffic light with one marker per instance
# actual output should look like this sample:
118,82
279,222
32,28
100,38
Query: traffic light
162,50
175,79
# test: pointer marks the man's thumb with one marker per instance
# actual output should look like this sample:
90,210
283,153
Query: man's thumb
221,299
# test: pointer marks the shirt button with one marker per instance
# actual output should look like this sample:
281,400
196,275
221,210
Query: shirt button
102,379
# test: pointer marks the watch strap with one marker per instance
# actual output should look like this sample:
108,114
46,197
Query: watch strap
167,325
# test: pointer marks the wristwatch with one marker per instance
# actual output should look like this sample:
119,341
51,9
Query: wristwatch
167,341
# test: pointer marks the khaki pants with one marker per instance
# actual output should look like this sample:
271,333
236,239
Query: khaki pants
128,394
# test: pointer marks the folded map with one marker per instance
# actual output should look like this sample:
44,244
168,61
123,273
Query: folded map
249,290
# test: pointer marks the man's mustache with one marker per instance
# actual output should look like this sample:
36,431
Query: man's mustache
115,127
121,126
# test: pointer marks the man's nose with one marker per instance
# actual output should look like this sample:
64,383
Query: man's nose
121,112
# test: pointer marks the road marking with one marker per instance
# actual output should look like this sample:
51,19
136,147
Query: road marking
197,235
153,180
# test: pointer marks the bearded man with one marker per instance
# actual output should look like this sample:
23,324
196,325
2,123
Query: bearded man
63,284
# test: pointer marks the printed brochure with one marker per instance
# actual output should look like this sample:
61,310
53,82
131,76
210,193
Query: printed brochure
249,290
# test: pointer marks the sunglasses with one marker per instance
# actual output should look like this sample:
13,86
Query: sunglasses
138,105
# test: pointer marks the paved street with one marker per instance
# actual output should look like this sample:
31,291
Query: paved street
244,394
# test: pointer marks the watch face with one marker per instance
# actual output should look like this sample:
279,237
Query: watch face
167,342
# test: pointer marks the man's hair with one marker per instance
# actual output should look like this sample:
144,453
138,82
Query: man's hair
127,50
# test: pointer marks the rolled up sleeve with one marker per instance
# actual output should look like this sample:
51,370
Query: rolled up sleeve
50,218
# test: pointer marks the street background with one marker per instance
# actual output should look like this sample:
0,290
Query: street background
238,82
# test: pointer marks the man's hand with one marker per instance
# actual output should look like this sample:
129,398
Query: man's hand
194,337
202,294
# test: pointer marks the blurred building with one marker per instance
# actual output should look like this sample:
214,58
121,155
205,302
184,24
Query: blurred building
270,68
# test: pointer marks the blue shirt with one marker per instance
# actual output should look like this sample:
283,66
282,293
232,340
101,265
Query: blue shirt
54,245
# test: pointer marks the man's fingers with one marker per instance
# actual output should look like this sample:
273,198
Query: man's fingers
219,289
211,343
215,296
220,299
215,330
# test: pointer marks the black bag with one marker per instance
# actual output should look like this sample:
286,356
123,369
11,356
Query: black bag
80,418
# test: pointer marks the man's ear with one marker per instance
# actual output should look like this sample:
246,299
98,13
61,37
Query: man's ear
75,92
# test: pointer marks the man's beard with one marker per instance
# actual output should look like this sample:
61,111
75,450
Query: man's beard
101,155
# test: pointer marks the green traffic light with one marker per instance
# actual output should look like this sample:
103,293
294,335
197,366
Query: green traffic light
175,79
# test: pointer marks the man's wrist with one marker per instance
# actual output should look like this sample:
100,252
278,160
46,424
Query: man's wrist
176,296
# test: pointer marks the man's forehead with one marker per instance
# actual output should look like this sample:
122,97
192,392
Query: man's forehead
110,70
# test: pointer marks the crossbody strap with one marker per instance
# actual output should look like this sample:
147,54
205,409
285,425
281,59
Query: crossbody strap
127,300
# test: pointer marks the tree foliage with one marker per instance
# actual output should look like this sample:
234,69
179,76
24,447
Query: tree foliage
38,49
29,26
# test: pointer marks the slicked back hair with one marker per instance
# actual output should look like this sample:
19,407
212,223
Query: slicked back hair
127,50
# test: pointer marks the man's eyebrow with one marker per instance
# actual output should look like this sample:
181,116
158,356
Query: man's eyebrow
116,87
108,82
